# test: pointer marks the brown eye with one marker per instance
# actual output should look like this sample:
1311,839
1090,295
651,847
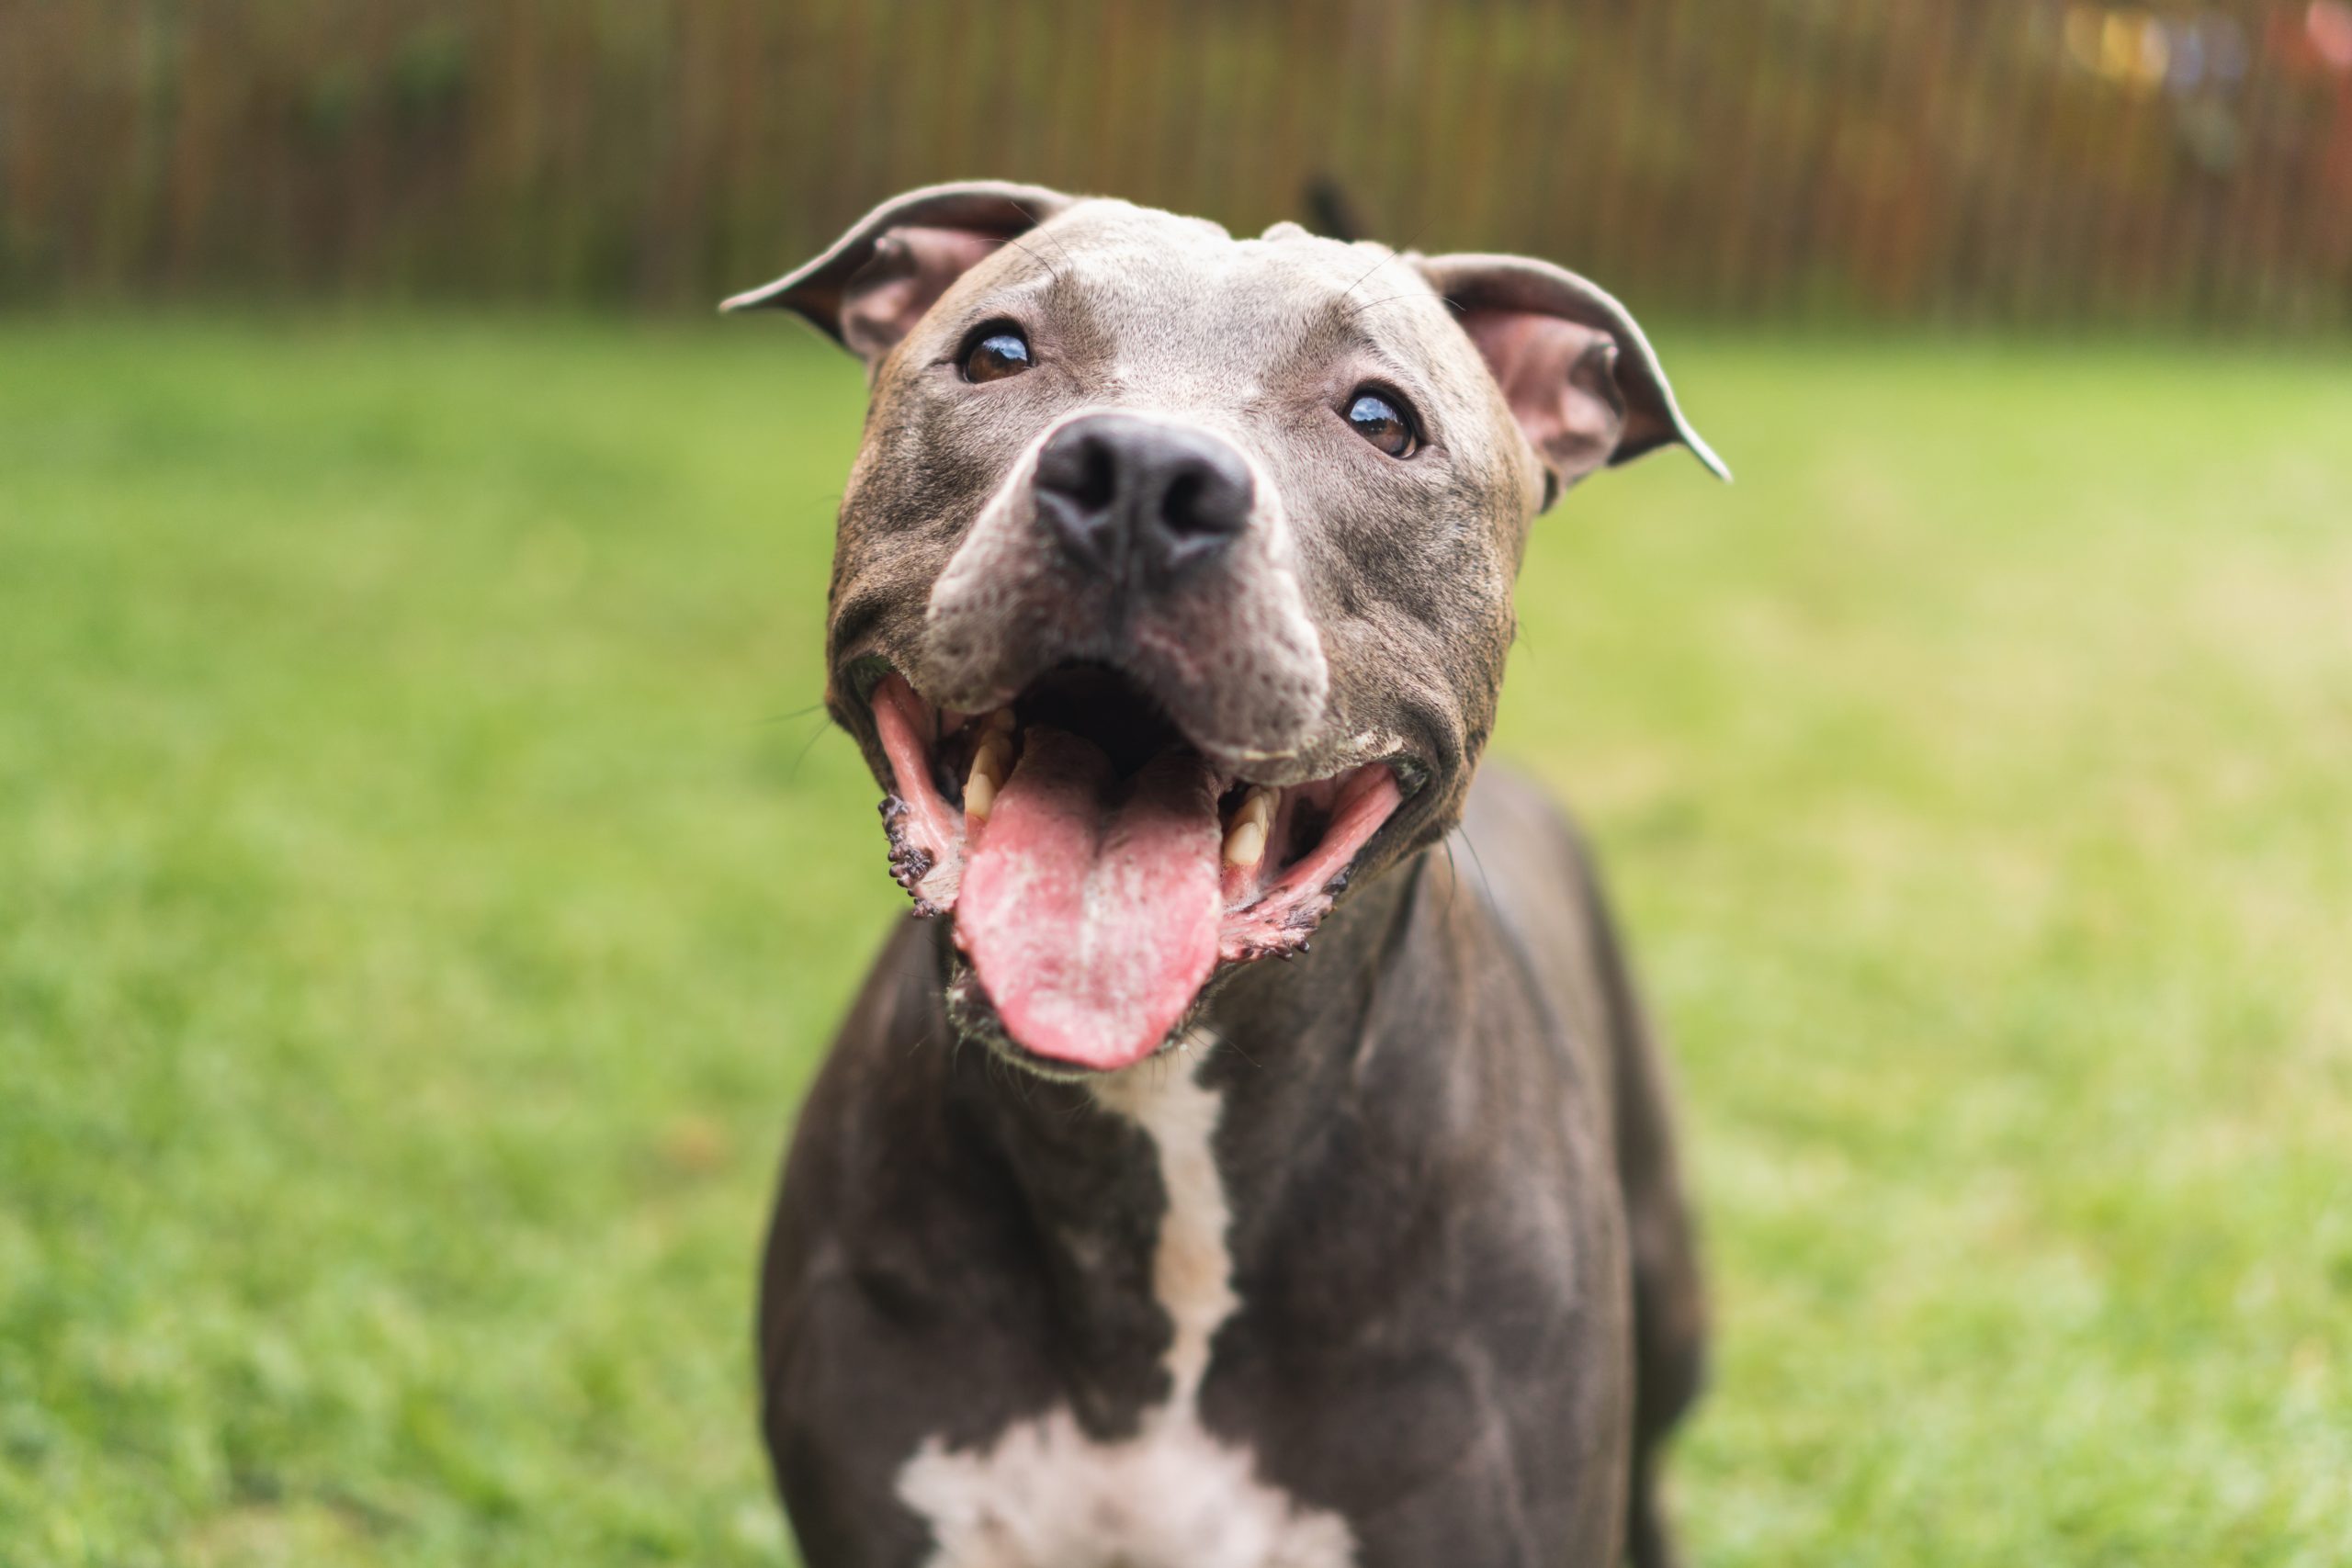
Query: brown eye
1381,419
1002,350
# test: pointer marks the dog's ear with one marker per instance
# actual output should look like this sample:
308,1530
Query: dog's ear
1572,363
874,284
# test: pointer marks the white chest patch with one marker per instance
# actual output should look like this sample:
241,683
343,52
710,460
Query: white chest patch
1043,1495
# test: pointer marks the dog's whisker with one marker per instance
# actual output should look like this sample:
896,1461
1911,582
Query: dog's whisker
1037,227
792,774
1360,309
1051,271
1477,860
801,712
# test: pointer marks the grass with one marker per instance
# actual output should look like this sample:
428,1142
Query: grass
425,891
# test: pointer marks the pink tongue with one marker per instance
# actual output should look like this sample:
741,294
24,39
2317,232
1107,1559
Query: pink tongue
1088,907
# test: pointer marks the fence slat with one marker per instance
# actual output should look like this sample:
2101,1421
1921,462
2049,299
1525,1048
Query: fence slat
2014,160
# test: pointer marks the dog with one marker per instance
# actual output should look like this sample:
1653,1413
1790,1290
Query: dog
1169,608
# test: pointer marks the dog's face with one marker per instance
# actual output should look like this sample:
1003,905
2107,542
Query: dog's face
1174,581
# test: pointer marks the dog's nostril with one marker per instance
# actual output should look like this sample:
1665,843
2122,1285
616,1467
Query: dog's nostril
1179,508
1202,503
1083,471
1098,476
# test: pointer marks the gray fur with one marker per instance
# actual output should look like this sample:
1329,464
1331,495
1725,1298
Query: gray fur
1469,1308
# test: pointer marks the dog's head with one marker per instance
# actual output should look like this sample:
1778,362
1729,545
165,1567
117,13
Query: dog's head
1174,581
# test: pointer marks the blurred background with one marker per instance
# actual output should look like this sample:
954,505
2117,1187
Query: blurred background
426,883
2024,161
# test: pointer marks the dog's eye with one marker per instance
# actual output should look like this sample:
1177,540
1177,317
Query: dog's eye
1382,420
1002,350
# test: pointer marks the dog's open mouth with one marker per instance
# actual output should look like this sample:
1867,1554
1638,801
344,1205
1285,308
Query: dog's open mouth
1098,865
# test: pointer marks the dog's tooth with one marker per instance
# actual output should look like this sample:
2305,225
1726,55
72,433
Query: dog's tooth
1251,825
988,768
1001,722
979,797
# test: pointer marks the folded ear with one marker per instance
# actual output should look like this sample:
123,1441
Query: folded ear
870,289
1571,361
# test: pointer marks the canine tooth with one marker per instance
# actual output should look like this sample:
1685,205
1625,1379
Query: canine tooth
979,797
1001,722
1253,822
988,768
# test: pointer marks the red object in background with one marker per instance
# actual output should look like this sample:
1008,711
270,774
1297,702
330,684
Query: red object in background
2315,41
2328,25
2322,46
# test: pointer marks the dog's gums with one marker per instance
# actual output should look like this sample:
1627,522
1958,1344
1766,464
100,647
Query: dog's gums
1098,866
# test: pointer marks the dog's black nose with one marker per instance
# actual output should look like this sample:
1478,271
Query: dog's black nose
1124,494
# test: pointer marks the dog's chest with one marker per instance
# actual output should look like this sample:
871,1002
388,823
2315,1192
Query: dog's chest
1043,1494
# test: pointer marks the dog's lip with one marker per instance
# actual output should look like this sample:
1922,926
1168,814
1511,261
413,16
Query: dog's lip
861,673
1279,879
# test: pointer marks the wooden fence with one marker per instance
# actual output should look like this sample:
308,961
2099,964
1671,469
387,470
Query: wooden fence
1958,160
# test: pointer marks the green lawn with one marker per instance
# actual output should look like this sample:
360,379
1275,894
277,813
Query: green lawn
424,888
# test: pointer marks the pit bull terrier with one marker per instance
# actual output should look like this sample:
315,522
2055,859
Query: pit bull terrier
1169,608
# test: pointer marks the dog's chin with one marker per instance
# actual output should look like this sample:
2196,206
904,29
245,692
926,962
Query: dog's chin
976,1023
1098,868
